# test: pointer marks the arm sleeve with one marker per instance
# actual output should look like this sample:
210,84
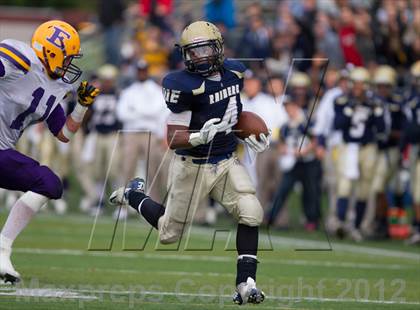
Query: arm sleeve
56,120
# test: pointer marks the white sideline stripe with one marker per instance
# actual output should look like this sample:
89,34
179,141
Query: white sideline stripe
286,242
168,272
127,292
44,293
295,243
269,297
294,262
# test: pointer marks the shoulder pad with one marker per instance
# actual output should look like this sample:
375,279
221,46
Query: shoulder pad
16,53
341,100
182,81
235,66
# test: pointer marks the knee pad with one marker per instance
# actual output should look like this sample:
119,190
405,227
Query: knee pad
49,184
249,210
33,200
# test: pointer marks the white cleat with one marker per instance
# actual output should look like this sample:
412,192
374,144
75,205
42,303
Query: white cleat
247,292
355,235
414,239
60,206
118,197
7,271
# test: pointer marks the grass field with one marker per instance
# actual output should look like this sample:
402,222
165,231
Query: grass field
59,272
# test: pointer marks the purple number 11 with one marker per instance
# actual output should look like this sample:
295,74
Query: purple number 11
37,95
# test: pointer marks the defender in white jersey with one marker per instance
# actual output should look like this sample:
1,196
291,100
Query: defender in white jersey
33,81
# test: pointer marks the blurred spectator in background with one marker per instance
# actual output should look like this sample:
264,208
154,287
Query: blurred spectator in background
220,12
298,165
157,12
104,127
299,88
347,36
327,41
278,62
255,42
143,113
264,170
153,50
111,19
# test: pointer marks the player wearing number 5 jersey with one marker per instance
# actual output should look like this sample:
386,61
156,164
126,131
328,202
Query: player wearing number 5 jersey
205,105
360,122
33,81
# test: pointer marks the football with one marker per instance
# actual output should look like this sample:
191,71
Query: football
250,123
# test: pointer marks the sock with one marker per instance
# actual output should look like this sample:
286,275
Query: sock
342,204
247,247
150,209
246,267
360,212
19,217
399,201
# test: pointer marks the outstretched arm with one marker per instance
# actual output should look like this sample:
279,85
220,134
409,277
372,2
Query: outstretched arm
86,95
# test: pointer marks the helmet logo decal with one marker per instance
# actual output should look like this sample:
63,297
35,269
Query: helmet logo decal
58,37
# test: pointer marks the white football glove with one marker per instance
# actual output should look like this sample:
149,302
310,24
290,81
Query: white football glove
258,146
206,133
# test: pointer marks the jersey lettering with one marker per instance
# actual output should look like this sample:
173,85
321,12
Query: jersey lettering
171,95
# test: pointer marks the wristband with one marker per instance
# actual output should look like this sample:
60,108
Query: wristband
78,113
67,132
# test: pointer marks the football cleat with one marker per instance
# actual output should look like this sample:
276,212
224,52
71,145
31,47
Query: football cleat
355,235
414,239
7,271
120,196
247,292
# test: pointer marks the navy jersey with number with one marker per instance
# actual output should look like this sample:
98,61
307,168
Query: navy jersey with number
393,116
104,119
298,135
365,124
207,99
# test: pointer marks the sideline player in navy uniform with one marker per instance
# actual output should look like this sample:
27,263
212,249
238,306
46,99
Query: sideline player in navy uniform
360,122
411,135
389,155
205,105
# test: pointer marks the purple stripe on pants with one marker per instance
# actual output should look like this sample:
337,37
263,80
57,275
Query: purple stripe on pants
21,173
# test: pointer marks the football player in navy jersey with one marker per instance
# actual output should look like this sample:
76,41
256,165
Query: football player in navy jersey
205,105
360,122
411,135
387,168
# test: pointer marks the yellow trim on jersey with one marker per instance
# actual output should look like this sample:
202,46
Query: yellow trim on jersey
15,58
